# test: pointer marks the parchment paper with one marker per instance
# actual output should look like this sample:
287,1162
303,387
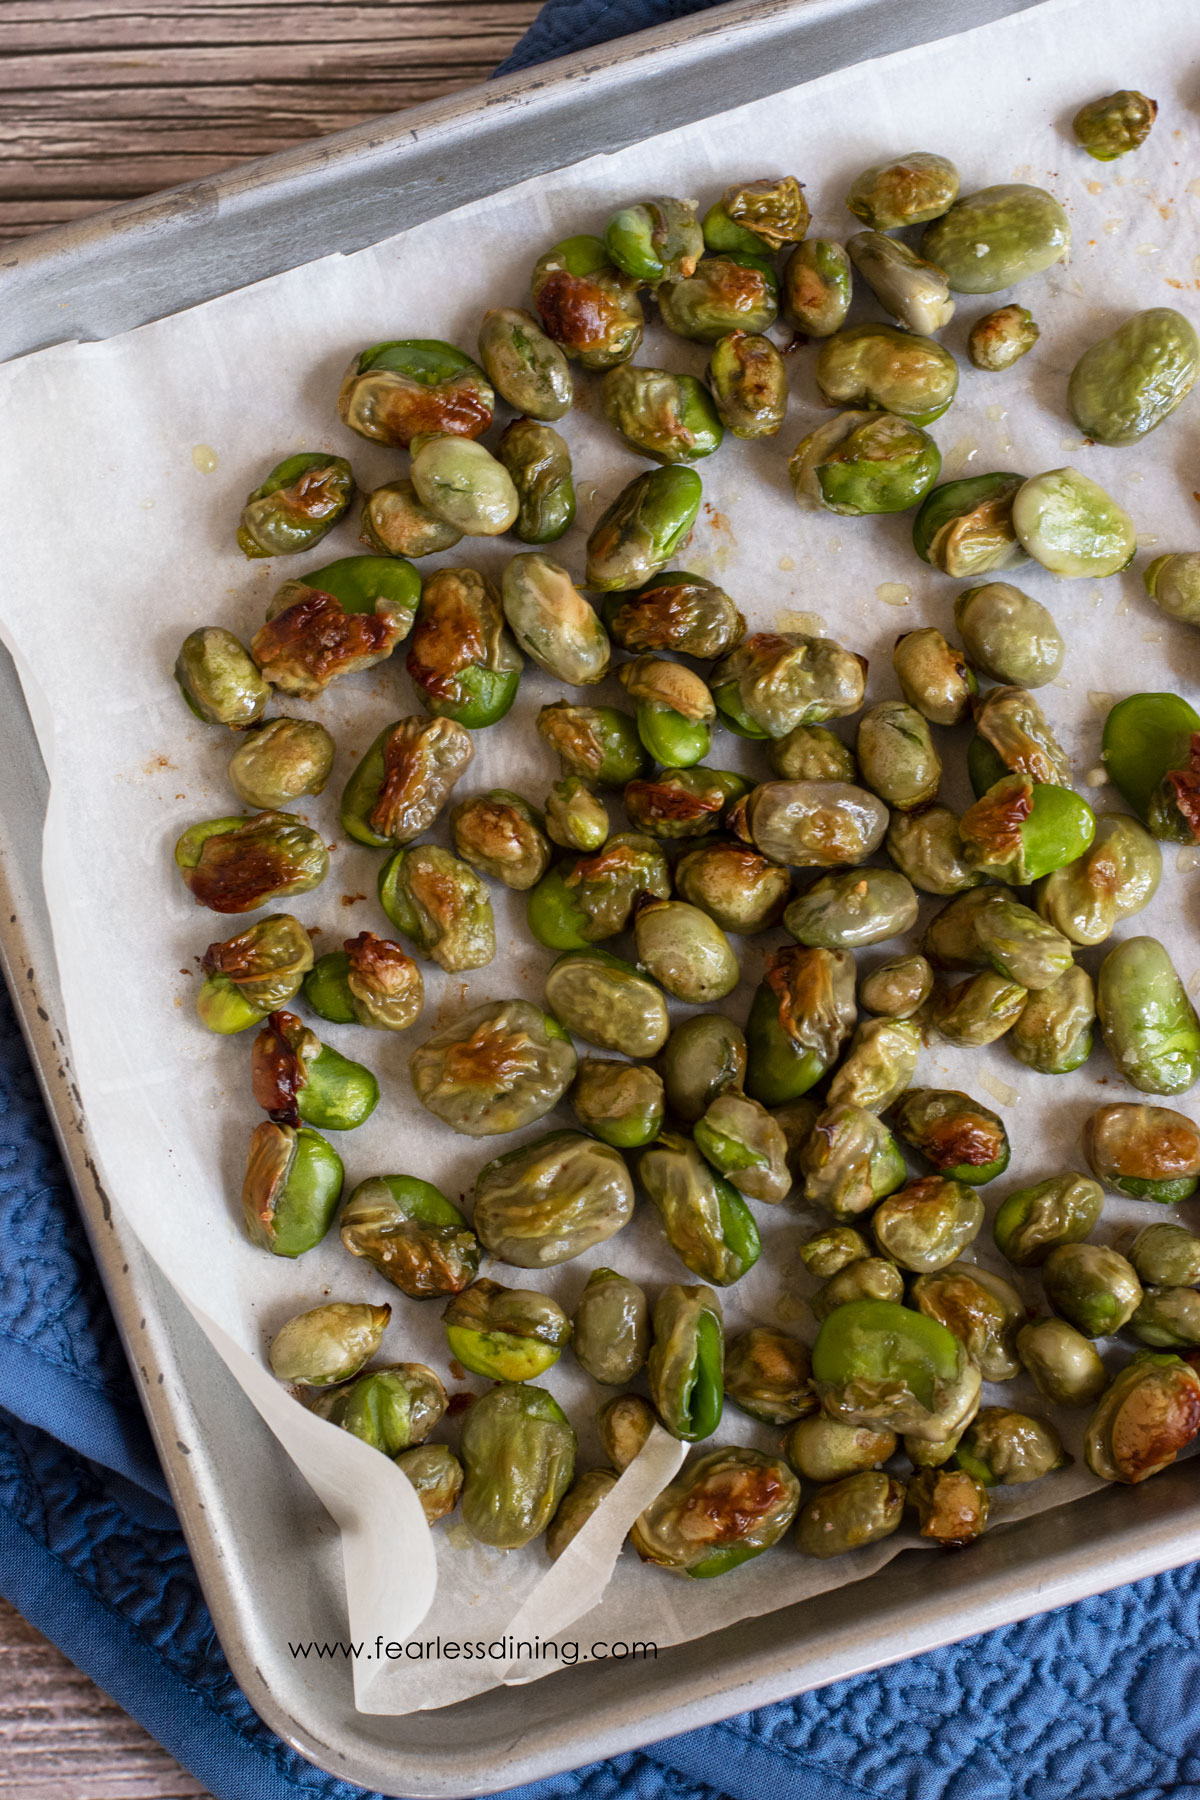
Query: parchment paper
124,466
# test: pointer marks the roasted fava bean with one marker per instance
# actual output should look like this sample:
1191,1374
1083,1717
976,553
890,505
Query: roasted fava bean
720,1511
576,818
958,1137
612,1328
1001,338
685,1368
501,835
589,308
1019,943
674,709
676,611
594,743
812,753
1008,635
518,1451
830,1251
965,527
552,1199
281,761
741,890
864,462
395,392
1149,1414
607,1003
1005,1448
934,677
437,1475
404,780
1070,525
704,1057
1115,124
909,190
339,619
395,522
291,1188
1150,1026
852,908
951,1506
997,237
1173,583
525,367
506,1334
1147,1152
408,1230
1020,830
237,865
390,1408
914,291
296,1078
1167,1318
461,658
440,905
655,240
896,755
464,485
708,1224
684,803
772,209
982,1309
817,284
498,1068
927,847
621,1103
801,1014
1053,1033
882,1365
898,988
1092,1286
685,950
722,294
749,384
219,679
637,536
766,1374
665,417
1129,383
927,1224
1064,1365
624,1423
823,1449
746,1145
1035,1220
552,622
328,1345
895,371
774,681
848,1514
978,1010
1166,1256
299,502
850,1161
584,902
878,1066
253,973
1151,744
539,466
1013,727
815,824
576,1508
869,1278
1116,877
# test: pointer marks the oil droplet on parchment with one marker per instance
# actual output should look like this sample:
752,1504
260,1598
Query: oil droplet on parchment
786,563
810,624
204,457
1147,250
999,1090
789,1308
1099,701
1193,982
1095,187
996,413
459,1538
894,593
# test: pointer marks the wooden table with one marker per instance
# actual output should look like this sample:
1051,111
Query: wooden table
102,100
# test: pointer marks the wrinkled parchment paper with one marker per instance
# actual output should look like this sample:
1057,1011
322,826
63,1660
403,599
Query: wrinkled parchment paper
124,467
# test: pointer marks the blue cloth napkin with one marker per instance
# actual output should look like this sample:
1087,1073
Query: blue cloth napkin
1099,1701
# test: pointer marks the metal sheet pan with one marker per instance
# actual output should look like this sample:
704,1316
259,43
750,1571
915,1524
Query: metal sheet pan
266,1553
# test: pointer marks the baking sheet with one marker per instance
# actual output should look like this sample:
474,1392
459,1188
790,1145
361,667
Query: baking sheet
134,456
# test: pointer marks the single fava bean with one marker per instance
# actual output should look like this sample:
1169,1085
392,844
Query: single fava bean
1166,1256
674,709
685,1367
1150,1026
748,379
879,366
1173,583
1020,830
1033,1221
552,1199
281,761
576,1507
708,1224
498,1068
253,973
742,891
747,1146
978,1010
849,1514
1002,338
1070,525
539,464
982,1310
390,1408
1146,1152
1150,752
704,1057
1009,636
1130,382
828,1252
719,1512
852,909
850,1161
235,865
411,1234
593,898
884,1366
295,1078
774,681
461,658
871,1278
611,1337
505,1334
959,1138
665,417
552,622
801,1014
576,818
1092,1286
342,618
441,906
607,1003
927,1224
928,849
437,1475
1116,877
500,834
684,803
655,240
624,1423
896,755
1064,1365
396,523
404,780
914,291
291,1188
588,307
951,1506
722,294
525,367
685,950
766,1374
1005,1448
1149,1414
812,753
1053,1033
909,190
300,501
879,1065
934,678
329,1344
638,534
815,824
1115,124
1167,1318
817,285
773,209
823,1449
621,1103
996,237
464,485
518,1451
861,463
964,528
594,743
219,679
676,611
898,988
393,393
1019,944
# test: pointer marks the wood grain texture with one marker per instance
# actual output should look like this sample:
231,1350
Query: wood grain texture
101,101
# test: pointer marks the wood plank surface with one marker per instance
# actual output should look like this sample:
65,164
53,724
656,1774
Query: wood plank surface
101,101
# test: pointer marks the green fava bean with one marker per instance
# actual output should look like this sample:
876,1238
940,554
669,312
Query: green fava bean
934,678
666,417
410,1233
772,209
576,818
704,1057
864,462
639,533
801,1014
676,611
624,1423
999,236
1166,1256
957,1137
879,1065
300,501
674,709
656,240
1021,830
281,761
951,939
464,485
219,679
253,973
437,1475
898,988
817,287
1147,1152
1002,338
747,1146
823,1449
612,1328
742,891
621,1103
775,681
914,291
500,834
766,1374
926,1454
1035,1221
896,755
518,1451
1149,1414
1130,382
607,1003
1014,737
1072,527
1148,754
1167,1318
1115,124
828,1252
593,898
719,1512
589,308
399,391
849,1161
879,366
982,1310
1092,1286
849,1514
291,1188
236,865
815,824
390,1409
685,950
684,803
539,464
1173,583
928,1224
909,190
978,1010
337,620
1064,1365
461,659
525,367
951,1506
500,1067
812,753
1150,1026
1005,1448
552,622
370,981
723,294
928,849
1008,635
396,523
404,780
870,1278
685,1368
1116,877
1054,1031
551,1200
884,1366
723,236
296,1078
328,1345
748,380
852,908
594,743
1019,944
576,1507
440,905
708,1224
505,1334
964,528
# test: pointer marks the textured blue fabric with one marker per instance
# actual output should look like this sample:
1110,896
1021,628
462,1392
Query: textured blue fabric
1100,1701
